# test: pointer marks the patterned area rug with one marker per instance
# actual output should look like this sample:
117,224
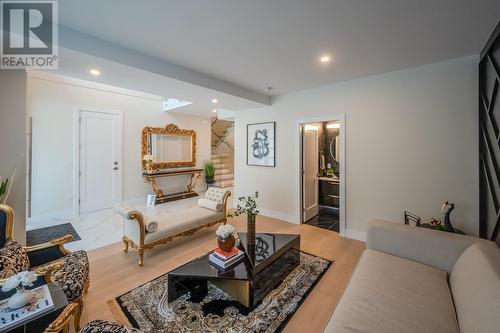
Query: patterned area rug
146,307
42,235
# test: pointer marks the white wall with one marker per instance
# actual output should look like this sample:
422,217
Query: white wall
411,144
13,143
52,102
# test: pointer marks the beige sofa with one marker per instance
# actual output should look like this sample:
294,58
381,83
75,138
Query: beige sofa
419,280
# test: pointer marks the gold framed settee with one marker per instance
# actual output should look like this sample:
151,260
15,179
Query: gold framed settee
146,228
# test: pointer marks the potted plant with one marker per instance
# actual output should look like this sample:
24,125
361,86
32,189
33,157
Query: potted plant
247,205
19,282
6,186
3,189
209,170
226,237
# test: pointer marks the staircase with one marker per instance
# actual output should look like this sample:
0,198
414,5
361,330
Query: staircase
224,176
223,152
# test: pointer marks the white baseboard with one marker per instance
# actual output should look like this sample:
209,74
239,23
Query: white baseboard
355,234
280,216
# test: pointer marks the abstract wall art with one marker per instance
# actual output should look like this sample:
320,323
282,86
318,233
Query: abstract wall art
261,144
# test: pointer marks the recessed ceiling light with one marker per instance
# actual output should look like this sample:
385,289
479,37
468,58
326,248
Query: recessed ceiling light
214,110
215,101
95,72
325,59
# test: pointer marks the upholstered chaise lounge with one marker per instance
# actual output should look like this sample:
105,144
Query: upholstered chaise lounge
51,261
146,227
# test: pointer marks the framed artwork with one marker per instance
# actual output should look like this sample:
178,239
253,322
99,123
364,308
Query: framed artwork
261,144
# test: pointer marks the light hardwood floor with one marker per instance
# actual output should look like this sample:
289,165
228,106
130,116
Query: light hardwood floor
113,272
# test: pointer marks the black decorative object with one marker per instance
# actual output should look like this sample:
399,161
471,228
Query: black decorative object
434,224
411,219
447,223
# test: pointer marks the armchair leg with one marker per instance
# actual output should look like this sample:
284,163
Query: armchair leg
87,286
78,314
125,247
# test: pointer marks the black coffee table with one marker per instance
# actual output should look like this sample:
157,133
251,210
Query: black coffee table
265,266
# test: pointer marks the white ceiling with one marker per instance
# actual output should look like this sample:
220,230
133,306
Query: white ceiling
77,65
259,43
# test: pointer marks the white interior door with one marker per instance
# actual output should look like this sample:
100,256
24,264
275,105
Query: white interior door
99,160
310,172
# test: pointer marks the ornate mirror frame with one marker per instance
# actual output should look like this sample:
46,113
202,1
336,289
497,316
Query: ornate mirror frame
173,130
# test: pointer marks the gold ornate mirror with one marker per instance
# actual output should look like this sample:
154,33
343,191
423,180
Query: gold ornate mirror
172,147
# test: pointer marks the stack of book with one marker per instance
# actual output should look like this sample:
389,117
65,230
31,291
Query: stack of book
224,260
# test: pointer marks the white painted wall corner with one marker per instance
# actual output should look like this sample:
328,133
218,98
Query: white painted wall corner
355,234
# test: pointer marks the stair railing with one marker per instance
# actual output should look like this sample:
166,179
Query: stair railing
220,139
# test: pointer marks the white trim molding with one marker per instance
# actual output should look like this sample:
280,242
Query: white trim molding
280,216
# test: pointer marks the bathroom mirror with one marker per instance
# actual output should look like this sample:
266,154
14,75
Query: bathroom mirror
334,148
172,147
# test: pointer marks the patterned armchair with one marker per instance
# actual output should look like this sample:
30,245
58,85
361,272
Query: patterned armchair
104,326
50,261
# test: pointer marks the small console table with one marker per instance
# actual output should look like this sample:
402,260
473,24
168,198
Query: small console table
188,192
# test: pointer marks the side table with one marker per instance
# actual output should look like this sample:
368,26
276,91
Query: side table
430,226
38,324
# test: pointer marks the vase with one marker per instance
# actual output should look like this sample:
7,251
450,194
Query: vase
20,298
226,244
251,228
210,180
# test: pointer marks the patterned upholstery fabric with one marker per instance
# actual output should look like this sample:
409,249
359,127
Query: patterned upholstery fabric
103,326
13,259
74,275
215,194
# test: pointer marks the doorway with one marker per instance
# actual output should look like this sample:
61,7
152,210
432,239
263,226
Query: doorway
322,173
98,164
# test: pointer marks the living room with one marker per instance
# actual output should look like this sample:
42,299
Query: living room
119,210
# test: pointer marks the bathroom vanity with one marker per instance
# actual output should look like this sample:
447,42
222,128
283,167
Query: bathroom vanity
329,191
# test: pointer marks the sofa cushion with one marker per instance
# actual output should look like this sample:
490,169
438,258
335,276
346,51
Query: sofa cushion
475,285
215,194
210,204
391,294
13,259
173,223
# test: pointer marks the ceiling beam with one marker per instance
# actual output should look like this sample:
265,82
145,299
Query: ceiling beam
77,41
